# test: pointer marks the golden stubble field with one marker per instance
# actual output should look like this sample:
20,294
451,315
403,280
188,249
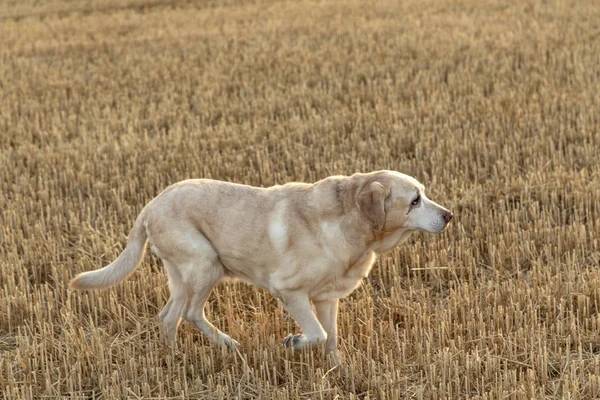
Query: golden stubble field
494,106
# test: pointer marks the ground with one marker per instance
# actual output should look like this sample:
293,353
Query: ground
494,106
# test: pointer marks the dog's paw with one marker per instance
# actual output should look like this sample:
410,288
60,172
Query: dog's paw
295,341
230,343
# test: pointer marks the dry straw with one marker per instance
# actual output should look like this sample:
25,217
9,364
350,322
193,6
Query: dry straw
493,105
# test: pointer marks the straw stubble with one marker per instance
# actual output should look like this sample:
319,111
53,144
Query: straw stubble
495,107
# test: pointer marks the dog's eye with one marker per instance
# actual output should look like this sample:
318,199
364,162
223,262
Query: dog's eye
416,201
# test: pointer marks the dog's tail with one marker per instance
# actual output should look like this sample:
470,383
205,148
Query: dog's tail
122,267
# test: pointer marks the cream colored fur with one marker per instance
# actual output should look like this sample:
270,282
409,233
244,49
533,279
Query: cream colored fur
304,243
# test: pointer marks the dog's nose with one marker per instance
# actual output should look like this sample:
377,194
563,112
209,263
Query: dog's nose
447,216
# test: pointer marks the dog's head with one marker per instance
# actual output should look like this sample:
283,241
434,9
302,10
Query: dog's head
389,200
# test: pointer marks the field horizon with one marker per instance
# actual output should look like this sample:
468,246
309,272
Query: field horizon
495,108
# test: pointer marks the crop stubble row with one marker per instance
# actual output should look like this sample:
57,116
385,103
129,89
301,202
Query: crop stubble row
494,107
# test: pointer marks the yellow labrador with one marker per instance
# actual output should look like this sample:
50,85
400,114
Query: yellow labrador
302,242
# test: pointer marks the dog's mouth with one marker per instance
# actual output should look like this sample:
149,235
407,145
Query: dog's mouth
440,223
437,227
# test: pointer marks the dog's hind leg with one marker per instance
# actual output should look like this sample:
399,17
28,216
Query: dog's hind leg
194,268
208,275
170,315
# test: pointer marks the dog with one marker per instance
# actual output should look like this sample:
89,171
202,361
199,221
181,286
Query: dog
304,243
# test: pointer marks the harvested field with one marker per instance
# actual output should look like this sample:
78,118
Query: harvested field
494,106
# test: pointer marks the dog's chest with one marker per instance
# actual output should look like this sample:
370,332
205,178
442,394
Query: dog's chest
340,282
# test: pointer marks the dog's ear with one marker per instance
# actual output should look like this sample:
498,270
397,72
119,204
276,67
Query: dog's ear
370,202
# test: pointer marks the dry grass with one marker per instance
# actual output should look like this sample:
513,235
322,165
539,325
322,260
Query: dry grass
495,106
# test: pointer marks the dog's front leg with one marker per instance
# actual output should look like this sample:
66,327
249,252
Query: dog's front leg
298,305
327,311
